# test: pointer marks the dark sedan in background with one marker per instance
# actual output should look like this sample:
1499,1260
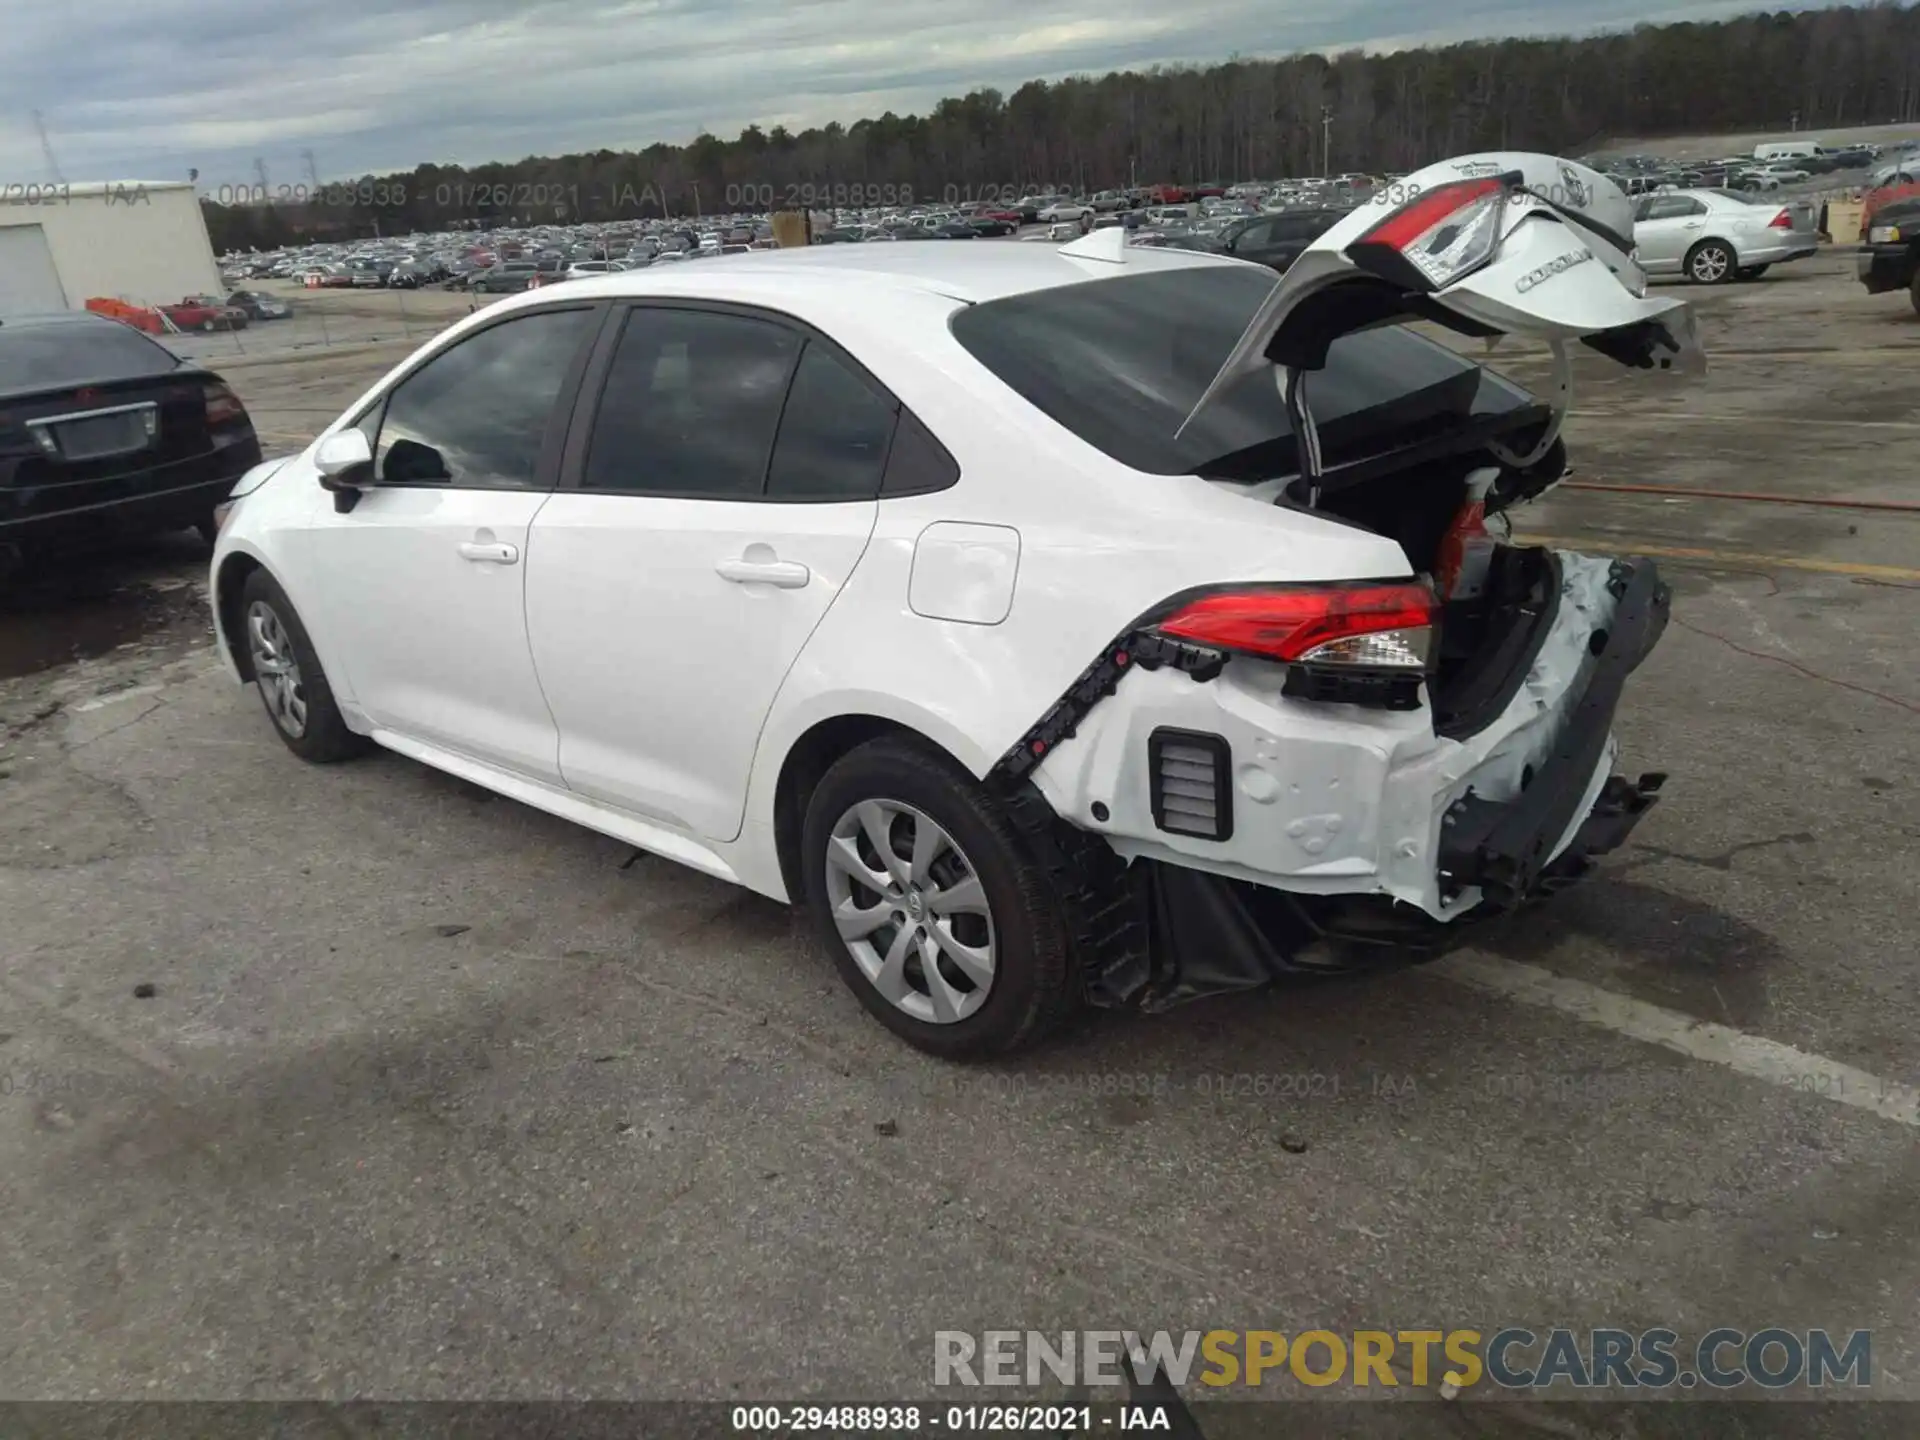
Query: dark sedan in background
105,433
260,306
1273,238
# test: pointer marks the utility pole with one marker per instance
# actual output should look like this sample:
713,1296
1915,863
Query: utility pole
1326,142
313,173
260,175
46,149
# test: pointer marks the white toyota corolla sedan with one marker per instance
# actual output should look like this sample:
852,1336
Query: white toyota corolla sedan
1059,625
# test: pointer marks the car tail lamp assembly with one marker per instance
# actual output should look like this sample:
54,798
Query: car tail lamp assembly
1782,221
1439,237
1366,642
1362,643
223,406
1373,625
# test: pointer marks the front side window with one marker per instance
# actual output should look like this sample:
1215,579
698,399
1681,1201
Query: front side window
691,405
476,415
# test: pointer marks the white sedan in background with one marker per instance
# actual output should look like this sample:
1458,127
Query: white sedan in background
1066,210
1007,606
1712,236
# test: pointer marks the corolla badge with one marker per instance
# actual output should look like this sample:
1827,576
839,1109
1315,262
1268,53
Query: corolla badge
1552,268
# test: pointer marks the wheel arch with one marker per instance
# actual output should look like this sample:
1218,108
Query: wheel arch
814,752
229,581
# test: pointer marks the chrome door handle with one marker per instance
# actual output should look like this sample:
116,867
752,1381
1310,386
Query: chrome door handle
782,574
489,554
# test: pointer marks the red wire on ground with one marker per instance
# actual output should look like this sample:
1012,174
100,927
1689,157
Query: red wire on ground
1795,666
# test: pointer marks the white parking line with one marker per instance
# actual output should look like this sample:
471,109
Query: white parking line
1750,1055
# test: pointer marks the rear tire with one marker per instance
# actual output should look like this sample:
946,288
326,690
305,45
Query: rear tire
1710,262
1913,291
1751,272
293,687
954,940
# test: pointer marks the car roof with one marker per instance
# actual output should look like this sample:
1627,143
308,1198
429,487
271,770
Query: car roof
969,273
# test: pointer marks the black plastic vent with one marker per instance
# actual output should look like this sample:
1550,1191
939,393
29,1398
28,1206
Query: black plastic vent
1191,783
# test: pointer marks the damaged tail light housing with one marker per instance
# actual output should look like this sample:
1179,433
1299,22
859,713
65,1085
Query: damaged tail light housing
1373,625
1440,236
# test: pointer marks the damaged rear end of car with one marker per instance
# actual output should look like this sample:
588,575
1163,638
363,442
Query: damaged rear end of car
1312,776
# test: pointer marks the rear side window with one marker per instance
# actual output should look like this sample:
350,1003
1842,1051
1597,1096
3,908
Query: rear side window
60,356
834,434
1121,363
691,405
918,464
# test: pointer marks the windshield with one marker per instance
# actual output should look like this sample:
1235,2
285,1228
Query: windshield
1122,362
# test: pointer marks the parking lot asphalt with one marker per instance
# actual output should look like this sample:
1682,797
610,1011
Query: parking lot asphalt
437,1096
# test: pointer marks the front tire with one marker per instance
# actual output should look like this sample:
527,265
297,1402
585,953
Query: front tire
292,685
1710,263
936,915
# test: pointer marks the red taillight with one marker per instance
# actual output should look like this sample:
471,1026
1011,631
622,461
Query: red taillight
1368,623
1435,239
223,406
1782,221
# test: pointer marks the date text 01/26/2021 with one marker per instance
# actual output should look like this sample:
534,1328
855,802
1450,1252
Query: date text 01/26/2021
1051,1420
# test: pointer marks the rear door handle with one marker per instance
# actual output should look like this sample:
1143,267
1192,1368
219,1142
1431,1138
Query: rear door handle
782,574
489,554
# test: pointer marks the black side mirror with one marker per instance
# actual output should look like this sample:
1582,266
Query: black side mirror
409,460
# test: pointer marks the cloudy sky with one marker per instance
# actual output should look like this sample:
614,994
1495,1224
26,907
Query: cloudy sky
146,89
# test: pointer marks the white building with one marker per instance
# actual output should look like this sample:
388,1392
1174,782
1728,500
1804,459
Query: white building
144,242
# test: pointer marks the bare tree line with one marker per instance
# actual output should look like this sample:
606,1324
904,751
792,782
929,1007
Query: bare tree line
1242,119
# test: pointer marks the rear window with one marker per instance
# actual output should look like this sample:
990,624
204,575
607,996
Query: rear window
55,357
1122,362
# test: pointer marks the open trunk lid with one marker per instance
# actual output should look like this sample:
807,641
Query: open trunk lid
1505,243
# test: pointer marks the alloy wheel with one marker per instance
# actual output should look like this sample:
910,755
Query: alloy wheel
911,910
1710,265
277,669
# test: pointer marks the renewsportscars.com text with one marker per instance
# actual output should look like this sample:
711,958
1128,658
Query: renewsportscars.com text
1513,1358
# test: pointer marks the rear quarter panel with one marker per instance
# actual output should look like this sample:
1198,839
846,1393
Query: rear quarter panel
1099,544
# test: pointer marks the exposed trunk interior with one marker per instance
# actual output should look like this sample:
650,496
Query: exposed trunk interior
1488,642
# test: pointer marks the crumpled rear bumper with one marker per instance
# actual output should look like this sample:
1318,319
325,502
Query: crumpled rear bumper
1211,934
1503,846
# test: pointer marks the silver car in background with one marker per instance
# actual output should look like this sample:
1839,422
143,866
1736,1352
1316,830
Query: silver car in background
1712,236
